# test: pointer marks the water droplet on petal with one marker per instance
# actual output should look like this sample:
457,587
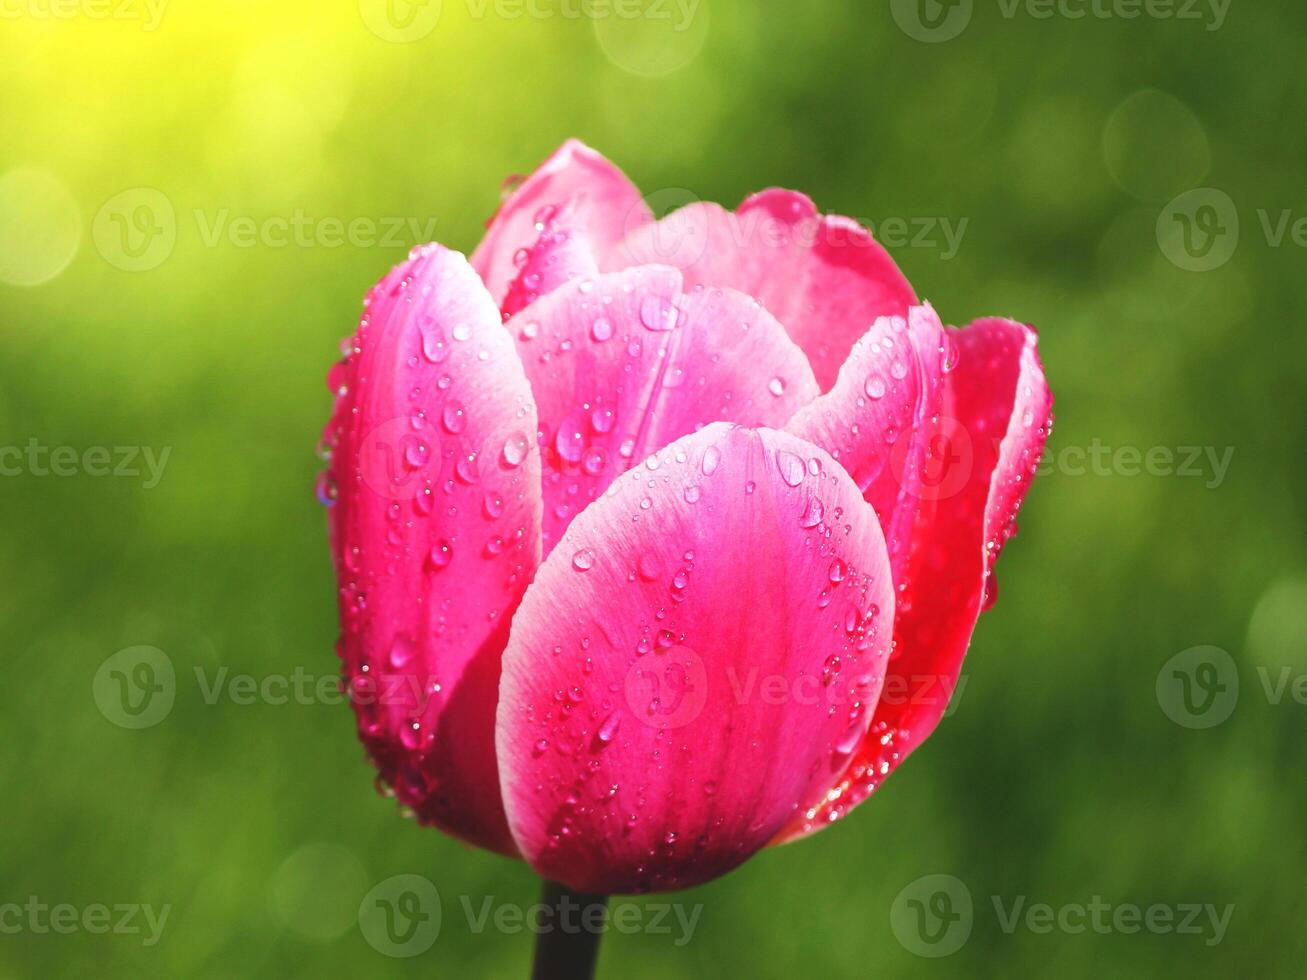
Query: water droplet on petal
453,417
776,386
712,456
401,650
515,449
583,560
791,468
325,488
442,553
602,419
812,514
608,730
570,439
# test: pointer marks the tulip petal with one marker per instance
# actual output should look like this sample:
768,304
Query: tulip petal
603,204
561,253
825,277
995,419
436,533
623,364
878,420
693,663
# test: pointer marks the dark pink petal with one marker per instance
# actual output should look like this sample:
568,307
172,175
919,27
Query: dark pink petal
693,663
879,420
602,202
995,419
623,364
824,277
435,525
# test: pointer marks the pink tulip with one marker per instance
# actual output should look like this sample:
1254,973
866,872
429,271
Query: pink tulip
634,521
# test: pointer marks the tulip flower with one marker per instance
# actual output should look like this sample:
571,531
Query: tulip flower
635,520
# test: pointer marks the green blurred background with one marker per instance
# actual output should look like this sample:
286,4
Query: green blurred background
1062,774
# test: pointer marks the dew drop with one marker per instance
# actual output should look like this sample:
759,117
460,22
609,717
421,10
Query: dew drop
441,554
402,649
515,449
583,560
712,456
602,419
453,417
325,488
608,730
791,468
812,514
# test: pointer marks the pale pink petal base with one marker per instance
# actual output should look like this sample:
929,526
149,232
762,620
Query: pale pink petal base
694,663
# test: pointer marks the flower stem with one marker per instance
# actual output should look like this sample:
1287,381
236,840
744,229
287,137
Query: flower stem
567,948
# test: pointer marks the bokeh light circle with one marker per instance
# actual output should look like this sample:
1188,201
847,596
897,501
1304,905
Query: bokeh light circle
651,38
315,891
40,227
1154,146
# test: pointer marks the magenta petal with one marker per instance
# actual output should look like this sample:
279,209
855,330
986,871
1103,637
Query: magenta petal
622,364
436,533
878,420
602,202
824,277
995,418
693,664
